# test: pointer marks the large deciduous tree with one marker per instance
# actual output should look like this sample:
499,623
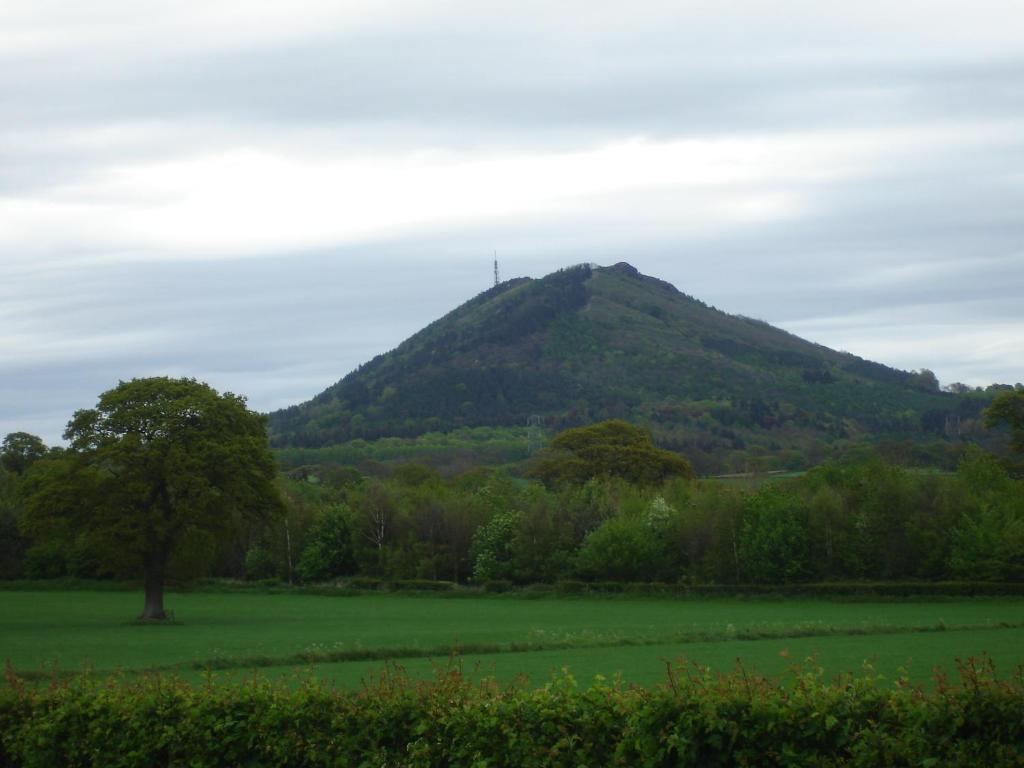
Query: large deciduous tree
158,463
1008,408
608,449
20,450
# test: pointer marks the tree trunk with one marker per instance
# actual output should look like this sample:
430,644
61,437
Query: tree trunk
288,541
154,609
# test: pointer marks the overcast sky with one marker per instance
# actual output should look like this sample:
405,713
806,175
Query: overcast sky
264,195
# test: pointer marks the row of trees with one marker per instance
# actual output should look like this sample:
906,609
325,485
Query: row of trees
865,519
860,519
168,479
608,505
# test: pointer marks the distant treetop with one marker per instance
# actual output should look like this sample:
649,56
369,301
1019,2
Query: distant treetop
608,449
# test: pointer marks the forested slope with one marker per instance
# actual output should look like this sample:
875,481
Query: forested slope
591,343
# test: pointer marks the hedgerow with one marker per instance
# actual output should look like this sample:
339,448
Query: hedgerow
696,718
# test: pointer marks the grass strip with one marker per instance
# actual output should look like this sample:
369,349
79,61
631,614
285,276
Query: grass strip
849,591
567,642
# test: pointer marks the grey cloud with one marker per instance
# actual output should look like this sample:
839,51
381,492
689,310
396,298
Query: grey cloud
518,81
281,328
477,88
278,330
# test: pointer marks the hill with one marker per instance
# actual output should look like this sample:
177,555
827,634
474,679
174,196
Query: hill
589,343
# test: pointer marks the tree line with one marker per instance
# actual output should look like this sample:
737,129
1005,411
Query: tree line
600,503
861,519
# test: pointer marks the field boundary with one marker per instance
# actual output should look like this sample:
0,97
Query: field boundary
696,718
850,590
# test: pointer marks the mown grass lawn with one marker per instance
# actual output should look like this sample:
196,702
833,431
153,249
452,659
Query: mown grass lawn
74,630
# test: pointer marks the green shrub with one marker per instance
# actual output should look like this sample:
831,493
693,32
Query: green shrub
423,585
612,587
649,589
259,564
696,718
498,585
46,560
328,552
366,582
568,587
538,590
623,548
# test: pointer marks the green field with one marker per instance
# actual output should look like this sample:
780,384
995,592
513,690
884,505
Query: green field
344,639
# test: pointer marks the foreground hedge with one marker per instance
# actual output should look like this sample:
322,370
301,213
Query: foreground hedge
696,718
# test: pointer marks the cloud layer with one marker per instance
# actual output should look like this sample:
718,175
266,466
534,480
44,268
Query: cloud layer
265,195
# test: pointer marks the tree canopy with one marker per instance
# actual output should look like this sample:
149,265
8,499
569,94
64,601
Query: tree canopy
160,466
20,450
1008,408
608,449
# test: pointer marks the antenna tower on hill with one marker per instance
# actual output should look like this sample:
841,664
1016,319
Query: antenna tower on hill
496,281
